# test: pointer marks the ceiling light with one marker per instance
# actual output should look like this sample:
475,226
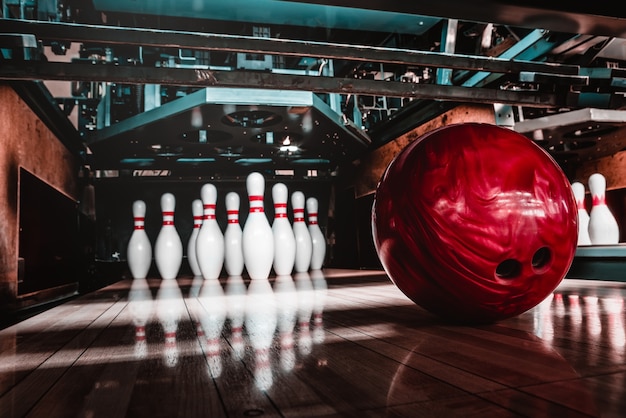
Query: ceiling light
288,148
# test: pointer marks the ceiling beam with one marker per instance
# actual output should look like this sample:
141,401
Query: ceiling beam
33,70
110,36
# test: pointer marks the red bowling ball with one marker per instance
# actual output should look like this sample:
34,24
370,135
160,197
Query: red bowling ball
475,223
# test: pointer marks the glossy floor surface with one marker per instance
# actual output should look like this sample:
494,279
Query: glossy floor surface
337,343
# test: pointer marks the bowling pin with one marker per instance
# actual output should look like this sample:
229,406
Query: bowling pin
284,240
258,239
197,211
583,216
304,245
139,251
168,249
210,241
603,228
233,246
318,241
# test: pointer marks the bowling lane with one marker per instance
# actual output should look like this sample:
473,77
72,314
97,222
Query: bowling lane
323,343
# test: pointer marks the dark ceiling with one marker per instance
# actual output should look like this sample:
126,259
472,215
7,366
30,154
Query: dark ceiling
194,88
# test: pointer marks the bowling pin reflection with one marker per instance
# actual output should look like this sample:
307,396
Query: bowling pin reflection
287,309
141,307
235,292
617,335
592,316
169,310
195,308
542,319
320,288
260,323
196,285
306,300
212,317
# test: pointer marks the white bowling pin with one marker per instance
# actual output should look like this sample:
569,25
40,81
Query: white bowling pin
233,246
603,228
318,241
210,242
139,251
583,216
284,240
197,211
304,245
168,248
258,239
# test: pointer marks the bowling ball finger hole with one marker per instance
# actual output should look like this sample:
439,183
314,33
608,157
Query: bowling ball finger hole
509,269
541,258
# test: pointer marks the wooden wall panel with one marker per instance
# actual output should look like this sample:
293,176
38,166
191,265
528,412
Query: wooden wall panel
613,168
25,141
370,168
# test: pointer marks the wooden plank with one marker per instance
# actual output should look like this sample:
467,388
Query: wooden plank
113,379
34,345
42,377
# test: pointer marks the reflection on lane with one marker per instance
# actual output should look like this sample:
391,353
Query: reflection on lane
260,323
235,309
306,296
141,308
590,312
320,288
170,308
287,308
270,319
212,315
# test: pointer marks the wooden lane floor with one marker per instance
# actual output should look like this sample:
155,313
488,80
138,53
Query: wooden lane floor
332,343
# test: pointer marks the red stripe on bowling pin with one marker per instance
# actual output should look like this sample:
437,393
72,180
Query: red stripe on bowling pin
233,216
197,221
168,218
298,215
280,210
256,203
599,200
140,222
313,218
209,211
